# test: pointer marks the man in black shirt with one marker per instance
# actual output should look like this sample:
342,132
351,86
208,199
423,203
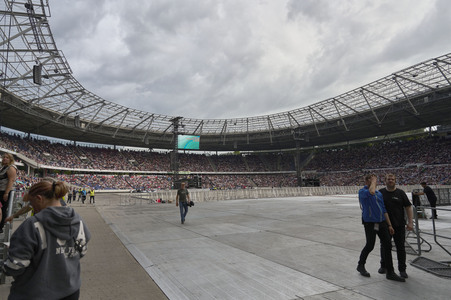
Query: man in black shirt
396,203
432,198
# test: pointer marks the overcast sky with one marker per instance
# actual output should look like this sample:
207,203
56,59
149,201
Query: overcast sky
237,58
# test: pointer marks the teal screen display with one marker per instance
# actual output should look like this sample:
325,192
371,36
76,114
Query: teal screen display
190,142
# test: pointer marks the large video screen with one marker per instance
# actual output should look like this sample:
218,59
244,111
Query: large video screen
188,142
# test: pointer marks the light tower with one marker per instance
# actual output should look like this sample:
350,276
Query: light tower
174,155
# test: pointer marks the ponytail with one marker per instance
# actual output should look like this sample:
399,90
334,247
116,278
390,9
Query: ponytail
49,190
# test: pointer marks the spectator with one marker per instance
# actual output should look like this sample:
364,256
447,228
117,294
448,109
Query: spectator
8,174
432,198
376,221
397,203
45,251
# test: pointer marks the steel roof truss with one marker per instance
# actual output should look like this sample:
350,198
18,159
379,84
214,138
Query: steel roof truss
442,61
95,115
20,33
247,130
414,81
347,106
378,95
167,128
223,132
270,129
325,119
341,118
405,96
148,127
45,95
136,126
67,112
290,118
441,71
371,108
122,121
199,127
112,116
313,121
27,73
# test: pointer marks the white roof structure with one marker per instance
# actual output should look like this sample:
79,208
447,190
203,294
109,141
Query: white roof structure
415,97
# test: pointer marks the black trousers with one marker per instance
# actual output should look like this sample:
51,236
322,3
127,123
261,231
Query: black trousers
399,237
385,239
433,204
4,209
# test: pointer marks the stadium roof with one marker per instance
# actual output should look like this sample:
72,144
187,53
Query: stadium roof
415,97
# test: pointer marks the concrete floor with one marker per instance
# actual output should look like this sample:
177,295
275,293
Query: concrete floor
289,248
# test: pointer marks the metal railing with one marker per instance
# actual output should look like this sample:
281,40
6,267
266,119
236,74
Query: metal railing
434,233
205,195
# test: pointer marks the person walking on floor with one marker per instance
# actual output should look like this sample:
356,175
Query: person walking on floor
397,203
376,221
183,197
83,195
69,196
45,251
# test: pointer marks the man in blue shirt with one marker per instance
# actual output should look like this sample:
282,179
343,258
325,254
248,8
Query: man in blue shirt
376,221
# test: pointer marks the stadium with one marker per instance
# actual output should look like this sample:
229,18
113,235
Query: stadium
62,130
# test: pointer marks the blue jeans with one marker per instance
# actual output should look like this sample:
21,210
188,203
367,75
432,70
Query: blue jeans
183,210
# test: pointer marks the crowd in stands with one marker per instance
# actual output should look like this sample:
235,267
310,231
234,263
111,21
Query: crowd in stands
413,160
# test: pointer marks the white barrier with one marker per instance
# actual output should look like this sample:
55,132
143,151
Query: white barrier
221,195
255,193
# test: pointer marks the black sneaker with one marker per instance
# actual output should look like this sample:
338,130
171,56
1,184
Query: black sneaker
382,270
363,271
403,274
393,276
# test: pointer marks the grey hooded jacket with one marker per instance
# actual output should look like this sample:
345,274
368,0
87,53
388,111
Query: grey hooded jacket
44,255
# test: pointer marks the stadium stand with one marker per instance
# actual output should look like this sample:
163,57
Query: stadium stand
416,159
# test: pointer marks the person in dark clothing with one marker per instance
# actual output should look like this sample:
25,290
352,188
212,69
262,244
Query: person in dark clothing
397,203
8,174
183,197
83,195
45,251
376,222
432,198
69,197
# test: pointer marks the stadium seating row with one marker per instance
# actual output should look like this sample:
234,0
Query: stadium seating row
414,160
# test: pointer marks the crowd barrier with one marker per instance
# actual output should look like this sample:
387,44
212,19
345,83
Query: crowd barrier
443,194
126,197
203,195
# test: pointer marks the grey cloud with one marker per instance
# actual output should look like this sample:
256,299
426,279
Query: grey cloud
222,59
